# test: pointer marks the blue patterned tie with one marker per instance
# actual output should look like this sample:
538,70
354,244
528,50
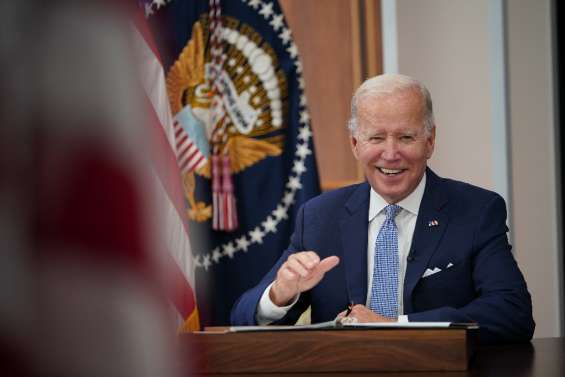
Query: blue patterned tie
384,290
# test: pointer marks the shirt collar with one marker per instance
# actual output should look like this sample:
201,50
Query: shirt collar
411,203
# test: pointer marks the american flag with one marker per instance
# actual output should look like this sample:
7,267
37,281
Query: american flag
171,145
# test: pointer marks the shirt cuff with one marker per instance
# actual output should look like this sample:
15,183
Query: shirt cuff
402,319
268,312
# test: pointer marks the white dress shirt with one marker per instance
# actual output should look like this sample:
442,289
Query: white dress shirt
268,312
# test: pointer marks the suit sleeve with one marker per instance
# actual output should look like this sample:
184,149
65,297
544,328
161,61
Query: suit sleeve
244,310
502,305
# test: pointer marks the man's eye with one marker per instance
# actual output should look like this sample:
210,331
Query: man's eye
376,139
406,138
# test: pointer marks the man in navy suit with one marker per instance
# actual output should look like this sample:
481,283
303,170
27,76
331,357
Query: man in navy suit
406,245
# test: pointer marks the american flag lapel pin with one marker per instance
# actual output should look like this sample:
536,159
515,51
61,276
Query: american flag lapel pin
433,223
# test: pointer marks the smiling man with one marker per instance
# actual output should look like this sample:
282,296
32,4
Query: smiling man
406,245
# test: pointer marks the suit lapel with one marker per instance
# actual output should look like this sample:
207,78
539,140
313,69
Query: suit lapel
354,228
430,226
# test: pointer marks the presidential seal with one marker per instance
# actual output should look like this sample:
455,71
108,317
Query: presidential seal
228,102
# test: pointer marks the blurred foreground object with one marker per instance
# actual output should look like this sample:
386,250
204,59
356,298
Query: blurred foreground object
85,276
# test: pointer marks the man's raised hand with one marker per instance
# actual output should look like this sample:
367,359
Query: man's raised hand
299,273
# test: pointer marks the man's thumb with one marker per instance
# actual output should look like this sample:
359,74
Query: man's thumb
328,263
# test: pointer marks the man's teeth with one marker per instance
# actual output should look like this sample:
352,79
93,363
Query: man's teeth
390,171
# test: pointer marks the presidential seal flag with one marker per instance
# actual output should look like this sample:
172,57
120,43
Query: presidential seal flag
242,134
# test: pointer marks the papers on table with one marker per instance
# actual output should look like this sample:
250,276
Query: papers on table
351,326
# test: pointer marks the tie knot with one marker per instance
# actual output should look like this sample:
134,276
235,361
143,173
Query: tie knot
391,211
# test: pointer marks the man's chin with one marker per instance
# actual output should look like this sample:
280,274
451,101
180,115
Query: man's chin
391,196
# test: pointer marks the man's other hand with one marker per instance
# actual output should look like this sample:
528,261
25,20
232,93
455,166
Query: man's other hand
299,273
363,315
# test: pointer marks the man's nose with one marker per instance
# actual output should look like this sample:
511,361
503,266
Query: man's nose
390,151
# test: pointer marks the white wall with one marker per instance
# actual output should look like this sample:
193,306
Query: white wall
444,43
535,185
494,114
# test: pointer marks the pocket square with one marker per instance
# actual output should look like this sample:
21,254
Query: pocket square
449,265
429,272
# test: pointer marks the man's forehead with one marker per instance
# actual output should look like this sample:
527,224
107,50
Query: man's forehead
401,96
376,130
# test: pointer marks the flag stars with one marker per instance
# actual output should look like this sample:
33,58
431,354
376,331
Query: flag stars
242,243
280,213
303,150
285,35
301,82
270,225
148,10
294,184
298,66
266,10
304,133
292,50
254,3
277,22
197,261
304,117
229,250
288,198
257,235
159,3
216,255
206,263
299,167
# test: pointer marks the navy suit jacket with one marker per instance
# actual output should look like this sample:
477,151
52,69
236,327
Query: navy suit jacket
483,285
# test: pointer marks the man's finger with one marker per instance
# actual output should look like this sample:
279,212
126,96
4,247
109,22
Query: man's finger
308,258
288,275
298,267
328,263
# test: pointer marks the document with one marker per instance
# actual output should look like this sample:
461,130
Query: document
338,325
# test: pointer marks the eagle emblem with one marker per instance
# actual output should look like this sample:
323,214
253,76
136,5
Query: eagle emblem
229,100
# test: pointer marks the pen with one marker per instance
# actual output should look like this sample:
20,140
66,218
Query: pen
349,308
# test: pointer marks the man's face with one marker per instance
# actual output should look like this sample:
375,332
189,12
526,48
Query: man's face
391,142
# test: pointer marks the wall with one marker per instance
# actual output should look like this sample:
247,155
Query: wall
445,44
535,195
339,45
489,69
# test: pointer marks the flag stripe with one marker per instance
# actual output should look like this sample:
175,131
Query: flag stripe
177,241
182,139
185,148
166,165
168,176
186,152
142,28
155,87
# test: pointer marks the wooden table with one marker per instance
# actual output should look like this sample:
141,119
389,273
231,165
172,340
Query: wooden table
541,358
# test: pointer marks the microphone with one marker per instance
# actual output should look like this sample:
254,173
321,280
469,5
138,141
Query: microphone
410,256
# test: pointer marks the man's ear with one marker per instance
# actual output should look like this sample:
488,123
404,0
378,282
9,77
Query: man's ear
431,143
354,145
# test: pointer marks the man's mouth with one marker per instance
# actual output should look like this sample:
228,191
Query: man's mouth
390,172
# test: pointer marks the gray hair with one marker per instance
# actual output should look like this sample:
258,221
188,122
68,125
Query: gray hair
388,84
